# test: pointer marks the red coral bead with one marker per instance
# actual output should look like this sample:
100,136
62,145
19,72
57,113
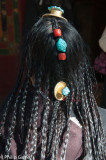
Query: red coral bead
57,32
62,56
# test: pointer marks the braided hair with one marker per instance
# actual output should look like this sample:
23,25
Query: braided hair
32,115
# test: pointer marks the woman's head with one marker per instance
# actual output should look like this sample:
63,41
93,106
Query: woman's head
41,54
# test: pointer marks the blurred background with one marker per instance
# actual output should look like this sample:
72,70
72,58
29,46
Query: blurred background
18,16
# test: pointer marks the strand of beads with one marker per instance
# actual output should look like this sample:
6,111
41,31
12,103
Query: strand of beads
61,90
60,44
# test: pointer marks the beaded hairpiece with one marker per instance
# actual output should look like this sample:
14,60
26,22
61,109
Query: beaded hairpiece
61,90
61,44
55,11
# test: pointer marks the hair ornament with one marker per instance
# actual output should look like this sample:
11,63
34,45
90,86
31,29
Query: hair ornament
57,33
55,11
62,56
61,91
61,45
55,7
65,91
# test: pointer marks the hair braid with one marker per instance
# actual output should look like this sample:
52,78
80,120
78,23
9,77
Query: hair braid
34,113
97,133
77,108
7,103
87,118
13,121
63,152
91,114
88,122
99,129
54,146
88,126
44,130
52,123
60,124
22,109
34,131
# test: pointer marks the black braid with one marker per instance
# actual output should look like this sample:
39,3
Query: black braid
33,118
69,106
12,122
9,100
21,111
60,124
52,123
44,130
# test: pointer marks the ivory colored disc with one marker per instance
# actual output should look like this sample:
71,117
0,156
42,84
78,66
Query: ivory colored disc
58,90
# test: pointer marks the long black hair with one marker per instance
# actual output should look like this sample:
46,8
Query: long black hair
32,115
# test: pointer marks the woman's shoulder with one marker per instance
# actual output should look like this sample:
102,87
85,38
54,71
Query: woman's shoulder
102,112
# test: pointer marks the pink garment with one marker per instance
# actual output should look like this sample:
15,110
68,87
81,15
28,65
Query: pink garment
74,148
100,63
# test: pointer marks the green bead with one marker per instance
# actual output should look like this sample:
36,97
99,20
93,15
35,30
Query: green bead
61,45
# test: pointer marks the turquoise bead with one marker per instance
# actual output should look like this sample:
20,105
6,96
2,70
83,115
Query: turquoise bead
65,91
55,7
61,45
